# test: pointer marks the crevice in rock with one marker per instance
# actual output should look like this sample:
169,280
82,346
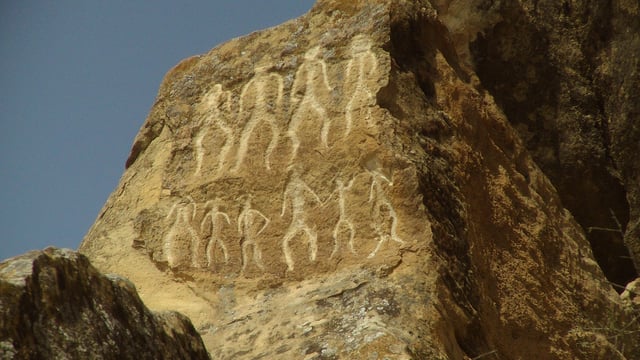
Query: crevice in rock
413,48
411,56
561,118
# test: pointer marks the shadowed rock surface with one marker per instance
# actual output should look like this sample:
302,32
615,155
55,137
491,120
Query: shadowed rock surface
55,305
566,74
393,179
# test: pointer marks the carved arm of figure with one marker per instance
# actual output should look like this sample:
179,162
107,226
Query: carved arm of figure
212,215
316,197
266,221
286,194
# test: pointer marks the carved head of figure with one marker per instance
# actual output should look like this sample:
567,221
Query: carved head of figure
293,172
214,100
246,200
212,205
360,44
312,54
264,66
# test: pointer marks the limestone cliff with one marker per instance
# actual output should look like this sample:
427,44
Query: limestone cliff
55,305
351,184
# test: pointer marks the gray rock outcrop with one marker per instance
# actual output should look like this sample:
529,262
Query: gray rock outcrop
55,305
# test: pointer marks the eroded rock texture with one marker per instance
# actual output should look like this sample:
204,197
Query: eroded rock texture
566,75
346,185
55,305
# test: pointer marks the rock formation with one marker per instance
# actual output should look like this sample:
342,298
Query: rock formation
55,305
566,77
369,181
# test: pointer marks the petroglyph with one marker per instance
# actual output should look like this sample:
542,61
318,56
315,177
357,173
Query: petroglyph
296,192
183,213
310,81
361,71
211,219
216,111
380,202
248,223
343,220
259,103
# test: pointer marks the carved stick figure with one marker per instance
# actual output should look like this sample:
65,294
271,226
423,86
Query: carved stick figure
343,220
183,213
376,194
216,110
212,217
295,192
247,220
366,64
311,78
265,109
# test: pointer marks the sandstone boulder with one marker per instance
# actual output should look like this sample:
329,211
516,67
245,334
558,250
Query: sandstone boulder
55,305
345,185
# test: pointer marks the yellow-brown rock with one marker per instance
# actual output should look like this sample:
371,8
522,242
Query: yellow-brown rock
342,186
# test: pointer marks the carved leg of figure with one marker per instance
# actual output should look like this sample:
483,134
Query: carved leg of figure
222,156
199,150
336,231
292,133
257,256
211,247
244,143
168,248
245,259
349,117
312,236
382,239
326,122
209,251
272,145
286,250
195,248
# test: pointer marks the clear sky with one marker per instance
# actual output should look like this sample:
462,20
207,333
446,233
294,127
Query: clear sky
77,79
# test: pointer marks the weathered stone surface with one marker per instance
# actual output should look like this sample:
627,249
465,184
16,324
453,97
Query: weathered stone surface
566,75
619,82
55,305
344,186
631,293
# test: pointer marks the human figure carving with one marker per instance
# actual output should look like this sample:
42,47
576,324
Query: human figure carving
216,110
183,213
296,192
211,219
311,80
248,222
361,71
343,220
380,201
260,101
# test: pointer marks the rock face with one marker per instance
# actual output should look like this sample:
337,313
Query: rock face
351,184
55,305
566,75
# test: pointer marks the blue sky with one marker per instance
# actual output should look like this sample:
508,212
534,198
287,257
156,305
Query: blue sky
77,79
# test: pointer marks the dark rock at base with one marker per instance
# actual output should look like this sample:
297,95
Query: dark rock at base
55,305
